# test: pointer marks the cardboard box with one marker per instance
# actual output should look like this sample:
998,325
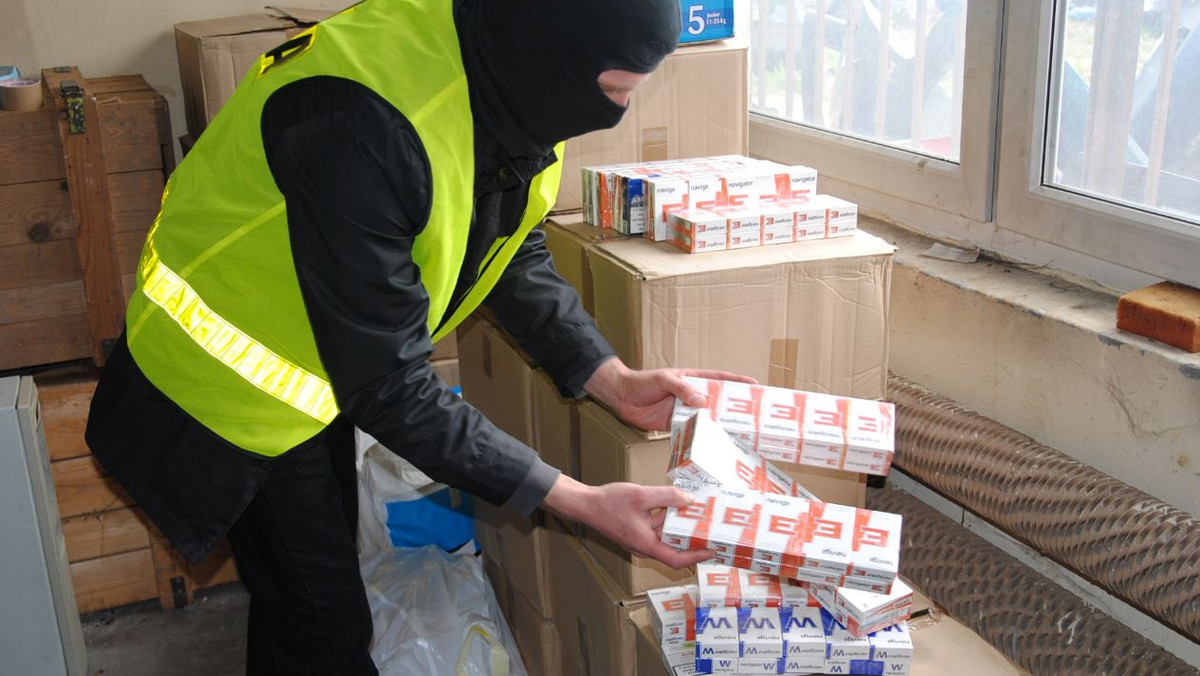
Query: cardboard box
520,546
568,244
592,614
215,54
497,377
650,659
612,451
693,105
817,318
556,435
537,637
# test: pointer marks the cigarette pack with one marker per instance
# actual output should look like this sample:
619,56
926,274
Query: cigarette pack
738,189
743,226
673,614
717,645
664,194
841,216
862,612
811,428
697,230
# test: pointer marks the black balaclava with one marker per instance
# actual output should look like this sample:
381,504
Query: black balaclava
532,64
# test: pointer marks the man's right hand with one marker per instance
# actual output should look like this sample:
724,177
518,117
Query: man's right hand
628,514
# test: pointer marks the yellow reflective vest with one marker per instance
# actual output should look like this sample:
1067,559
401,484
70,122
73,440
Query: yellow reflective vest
217,322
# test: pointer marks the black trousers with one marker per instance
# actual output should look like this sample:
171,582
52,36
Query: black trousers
295,552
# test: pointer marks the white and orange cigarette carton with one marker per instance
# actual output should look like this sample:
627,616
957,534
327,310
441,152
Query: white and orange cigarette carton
697,230
673,614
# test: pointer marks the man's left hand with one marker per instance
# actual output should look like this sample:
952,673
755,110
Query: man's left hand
646,398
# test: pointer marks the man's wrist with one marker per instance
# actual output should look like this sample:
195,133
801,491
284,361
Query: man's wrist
570,498
605,383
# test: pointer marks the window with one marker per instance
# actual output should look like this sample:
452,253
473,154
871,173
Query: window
1056,132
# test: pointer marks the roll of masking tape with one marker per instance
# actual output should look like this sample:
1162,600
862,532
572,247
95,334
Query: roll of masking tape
22,94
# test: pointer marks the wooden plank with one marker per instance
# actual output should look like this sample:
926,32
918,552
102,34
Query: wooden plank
30,149
35,212
31,303
128,246
37,264
91,536
87,177
116,84
131,133
45,341
136,197
83,488
113,581
65,407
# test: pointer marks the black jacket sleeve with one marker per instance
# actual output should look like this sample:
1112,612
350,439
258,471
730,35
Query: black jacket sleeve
357,185
545,315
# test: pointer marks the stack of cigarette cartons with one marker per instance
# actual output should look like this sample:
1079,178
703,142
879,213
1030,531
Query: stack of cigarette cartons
809,428
707,632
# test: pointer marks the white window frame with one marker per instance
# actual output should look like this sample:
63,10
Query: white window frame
994,197
1120,246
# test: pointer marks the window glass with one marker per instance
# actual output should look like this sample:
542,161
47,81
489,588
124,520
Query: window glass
889,71
1123,120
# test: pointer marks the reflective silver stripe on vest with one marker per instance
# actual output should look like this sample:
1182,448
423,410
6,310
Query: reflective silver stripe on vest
256,363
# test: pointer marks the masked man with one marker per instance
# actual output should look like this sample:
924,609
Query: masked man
369,184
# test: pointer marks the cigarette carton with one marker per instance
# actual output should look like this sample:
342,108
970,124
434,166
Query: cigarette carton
703,452
688,669
777,182
841,217
778,223
722,585
673,614
803,640
843,649
697,230
893,647
760,634
809,220
862,612
807,427
680,653
717,644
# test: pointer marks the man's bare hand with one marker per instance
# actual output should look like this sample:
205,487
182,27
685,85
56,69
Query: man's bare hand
628,514
646,398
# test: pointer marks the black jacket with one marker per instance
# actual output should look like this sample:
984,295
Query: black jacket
357,184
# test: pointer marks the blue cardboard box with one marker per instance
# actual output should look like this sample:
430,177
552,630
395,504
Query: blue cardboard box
705,20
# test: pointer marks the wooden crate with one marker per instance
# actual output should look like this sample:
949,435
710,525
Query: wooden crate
116,555
74,211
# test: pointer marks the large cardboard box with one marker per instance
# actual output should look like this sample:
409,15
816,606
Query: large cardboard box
612,451
556,435
537,637
496,376
694,105
809,315
520,546
215,54
591,613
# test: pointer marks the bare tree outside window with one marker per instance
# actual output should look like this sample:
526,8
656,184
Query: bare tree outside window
1123,114
888,71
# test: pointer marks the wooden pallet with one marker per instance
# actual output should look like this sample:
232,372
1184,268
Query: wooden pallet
116,555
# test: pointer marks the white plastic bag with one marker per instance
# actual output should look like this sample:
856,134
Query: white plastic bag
385,483
435,613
